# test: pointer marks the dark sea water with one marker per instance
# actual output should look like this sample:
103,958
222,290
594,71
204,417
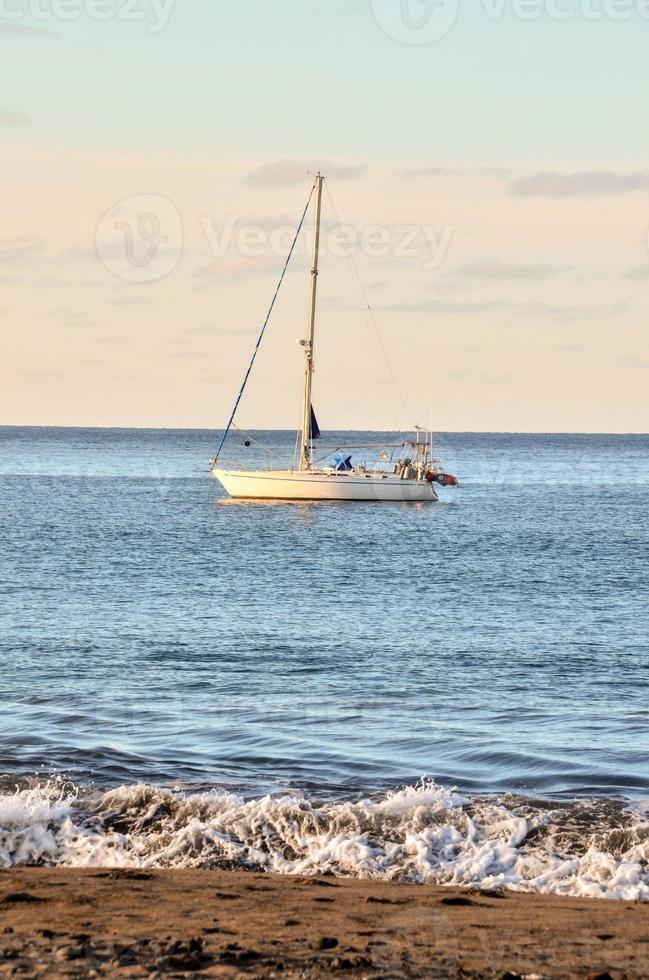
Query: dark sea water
456,691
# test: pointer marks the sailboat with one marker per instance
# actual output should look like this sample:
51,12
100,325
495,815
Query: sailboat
405,471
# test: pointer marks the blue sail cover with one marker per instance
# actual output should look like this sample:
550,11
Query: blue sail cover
342,463
315,428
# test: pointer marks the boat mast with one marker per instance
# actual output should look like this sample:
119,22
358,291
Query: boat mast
305,458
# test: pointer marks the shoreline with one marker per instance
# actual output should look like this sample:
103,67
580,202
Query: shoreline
138,923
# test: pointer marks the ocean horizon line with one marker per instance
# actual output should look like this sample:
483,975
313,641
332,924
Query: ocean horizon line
271,429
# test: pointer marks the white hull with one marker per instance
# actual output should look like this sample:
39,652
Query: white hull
321,485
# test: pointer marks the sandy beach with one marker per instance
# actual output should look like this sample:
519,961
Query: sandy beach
77,923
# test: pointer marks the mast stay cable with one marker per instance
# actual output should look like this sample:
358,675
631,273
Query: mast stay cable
368,312
263,329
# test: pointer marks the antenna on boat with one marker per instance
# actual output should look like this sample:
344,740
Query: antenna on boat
307,415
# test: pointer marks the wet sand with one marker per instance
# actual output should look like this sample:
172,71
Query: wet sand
78,923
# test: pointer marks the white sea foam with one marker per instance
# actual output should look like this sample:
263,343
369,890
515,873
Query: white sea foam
422,833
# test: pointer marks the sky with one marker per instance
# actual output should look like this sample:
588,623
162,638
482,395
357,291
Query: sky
487,162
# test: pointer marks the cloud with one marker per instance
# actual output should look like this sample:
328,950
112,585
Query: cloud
639,273
190,354
83,324
634,363
505,270
578,184
283,173
24,30
66,312
237,267
59,282
14,119
77,252
495,172
18,250
129,301
544,310
207,331
111,339
439,306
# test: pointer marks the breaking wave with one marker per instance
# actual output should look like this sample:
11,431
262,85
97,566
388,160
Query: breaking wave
424,833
